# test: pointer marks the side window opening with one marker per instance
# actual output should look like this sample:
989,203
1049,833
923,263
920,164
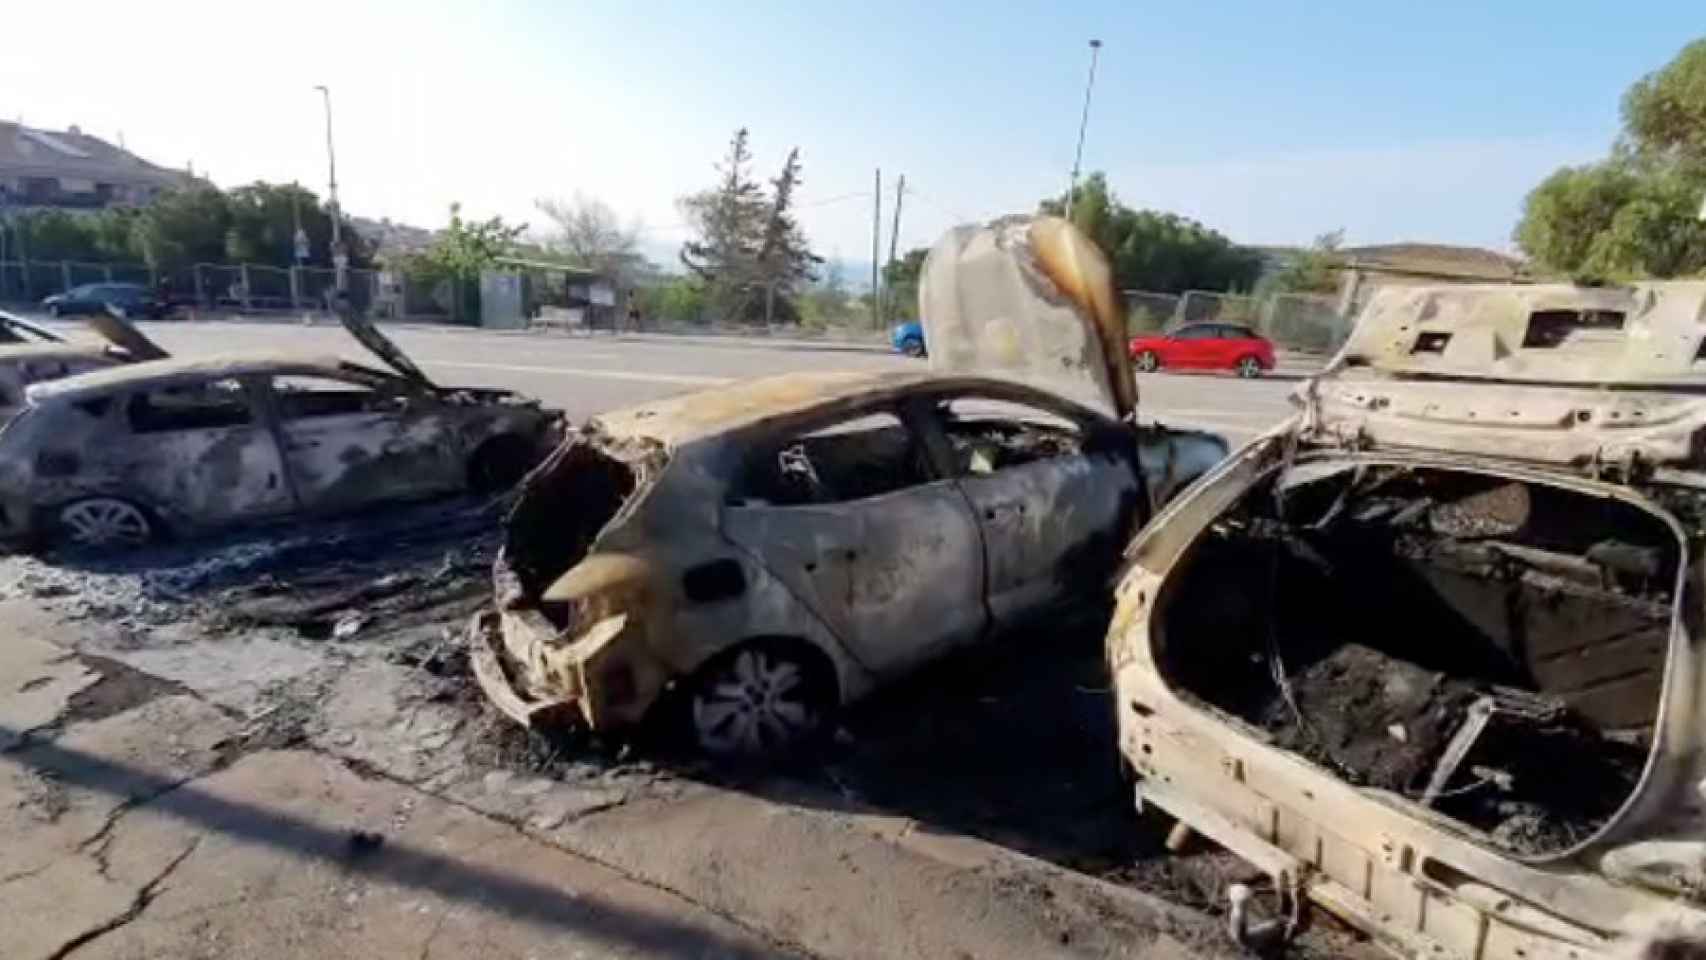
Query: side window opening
1549,328
866,456
990,435
305,397
198,406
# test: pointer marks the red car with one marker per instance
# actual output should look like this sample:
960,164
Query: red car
1205,346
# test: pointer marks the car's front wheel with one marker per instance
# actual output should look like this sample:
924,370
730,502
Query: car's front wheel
1147,361
761,700
102,522
1249,368
912,347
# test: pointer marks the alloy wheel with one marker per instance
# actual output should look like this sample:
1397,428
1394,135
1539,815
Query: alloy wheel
103,521
759,703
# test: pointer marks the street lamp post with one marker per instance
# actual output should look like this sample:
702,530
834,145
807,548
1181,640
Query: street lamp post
1083,122
340,260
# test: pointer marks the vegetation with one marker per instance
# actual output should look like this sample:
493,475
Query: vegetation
900,283
457,256
750,257
1637,213
586,234
253,224
1150,250
1309,271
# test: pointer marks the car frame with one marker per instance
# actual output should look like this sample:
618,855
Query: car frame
682,589
174,446
1573,417
1204,345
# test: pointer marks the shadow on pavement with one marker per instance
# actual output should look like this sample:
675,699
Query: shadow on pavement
582,913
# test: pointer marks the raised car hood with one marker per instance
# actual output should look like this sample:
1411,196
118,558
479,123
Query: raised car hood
121,333
381,346
15,329
1549,373
1029,299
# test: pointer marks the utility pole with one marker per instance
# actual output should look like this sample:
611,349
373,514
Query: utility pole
876,254
1083,122
894,235
340,260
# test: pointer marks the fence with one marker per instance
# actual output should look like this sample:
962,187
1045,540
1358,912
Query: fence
247,287
1302,322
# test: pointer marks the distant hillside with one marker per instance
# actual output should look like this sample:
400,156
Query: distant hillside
392,239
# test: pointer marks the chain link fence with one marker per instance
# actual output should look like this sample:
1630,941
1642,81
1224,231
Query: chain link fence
243,287
1302,322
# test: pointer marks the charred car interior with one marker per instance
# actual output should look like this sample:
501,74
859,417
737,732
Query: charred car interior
1490,649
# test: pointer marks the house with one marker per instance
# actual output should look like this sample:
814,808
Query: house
71,169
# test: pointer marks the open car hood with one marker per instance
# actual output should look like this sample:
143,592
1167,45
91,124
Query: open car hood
1550,373
120,332
1028,298
381,346
15,329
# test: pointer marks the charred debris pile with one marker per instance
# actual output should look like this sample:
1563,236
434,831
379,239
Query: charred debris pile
1488,648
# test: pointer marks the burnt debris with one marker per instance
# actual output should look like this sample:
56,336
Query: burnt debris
1490,649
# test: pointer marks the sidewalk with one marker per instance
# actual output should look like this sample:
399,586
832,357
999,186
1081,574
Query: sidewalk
140,818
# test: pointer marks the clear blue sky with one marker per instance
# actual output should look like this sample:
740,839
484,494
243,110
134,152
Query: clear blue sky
1272,122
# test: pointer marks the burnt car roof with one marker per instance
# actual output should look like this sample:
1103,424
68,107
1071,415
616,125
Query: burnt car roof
692,416
45,351
87,385
1640,334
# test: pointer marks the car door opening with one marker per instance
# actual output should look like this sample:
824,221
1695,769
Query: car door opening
1490,649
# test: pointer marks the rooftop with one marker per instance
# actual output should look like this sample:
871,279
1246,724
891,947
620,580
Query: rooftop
27,151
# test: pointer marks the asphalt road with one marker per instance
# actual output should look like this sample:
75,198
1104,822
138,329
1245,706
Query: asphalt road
587,374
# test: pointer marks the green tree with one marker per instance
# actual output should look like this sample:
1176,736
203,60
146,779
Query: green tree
56,235
461,251
1636,214
587,234
748,247
900,281
1151,250
1314,270
262,227
183,228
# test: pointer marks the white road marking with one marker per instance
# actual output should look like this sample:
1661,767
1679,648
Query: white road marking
584,372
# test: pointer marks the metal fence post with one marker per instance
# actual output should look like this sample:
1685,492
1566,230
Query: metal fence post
200,292
65,275
295,288
243,278
108,271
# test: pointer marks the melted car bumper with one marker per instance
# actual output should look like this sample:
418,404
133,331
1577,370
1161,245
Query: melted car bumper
601,678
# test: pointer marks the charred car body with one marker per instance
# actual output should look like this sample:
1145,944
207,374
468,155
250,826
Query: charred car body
119,456
770,550
1429,655
30,354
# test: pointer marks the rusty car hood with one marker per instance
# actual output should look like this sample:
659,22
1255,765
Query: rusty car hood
381,346
15,329
1028,298
1546,373
121,333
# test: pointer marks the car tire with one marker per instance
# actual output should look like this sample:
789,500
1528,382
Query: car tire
760,701
1146,361
1249,368
912,347
500,463
103,522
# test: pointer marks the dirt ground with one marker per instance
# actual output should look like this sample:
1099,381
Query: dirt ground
978,804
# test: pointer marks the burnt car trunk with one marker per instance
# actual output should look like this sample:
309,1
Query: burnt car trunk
1492,649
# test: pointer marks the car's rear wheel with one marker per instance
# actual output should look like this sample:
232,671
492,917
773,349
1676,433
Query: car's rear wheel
1147,361
761,700
103,522
912,347
1249,368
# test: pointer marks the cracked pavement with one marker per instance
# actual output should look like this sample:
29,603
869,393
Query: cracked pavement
269,746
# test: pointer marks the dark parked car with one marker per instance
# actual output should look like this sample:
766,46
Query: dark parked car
125,299
1205,346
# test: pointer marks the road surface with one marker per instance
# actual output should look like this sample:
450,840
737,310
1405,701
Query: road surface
588,374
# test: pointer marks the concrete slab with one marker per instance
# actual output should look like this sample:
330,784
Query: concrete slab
37,676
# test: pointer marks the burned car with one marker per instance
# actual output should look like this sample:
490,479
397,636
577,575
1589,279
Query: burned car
748,558
1429,655
32,354
179,446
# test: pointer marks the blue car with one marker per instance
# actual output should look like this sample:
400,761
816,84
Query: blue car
908,338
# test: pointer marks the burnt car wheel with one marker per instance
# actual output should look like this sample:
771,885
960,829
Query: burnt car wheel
1147,361
760,701
103,522
1249,368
